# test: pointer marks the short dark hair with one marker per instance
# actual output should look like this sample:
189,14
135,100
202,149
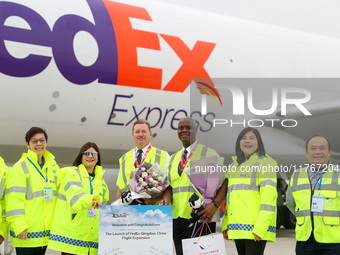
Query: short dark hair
33,131
141,121
85,147
317,135
240,155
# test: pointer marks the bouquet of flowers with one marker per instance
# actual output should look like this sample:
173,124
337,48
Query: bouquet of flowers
149,179
206,179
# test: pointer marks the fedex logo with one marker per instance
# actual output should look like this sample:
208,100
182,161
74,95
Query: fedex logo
117,41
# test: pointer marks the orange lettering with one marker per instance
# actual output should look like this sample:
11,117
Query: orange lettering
193,62
128,39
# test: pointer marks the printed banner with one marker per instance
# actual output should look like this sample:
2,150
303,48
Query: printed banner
135,229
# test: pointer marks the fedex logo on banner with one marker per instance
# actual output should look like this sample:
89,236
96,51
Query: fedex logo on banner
117,41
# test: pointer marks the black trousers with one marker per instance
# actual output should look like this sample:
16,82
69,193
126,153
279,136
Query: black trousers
312,247
181,230
31,250
250,247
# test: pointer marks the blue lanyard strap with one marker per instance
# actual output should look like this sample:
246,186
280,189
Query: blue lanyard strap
317,181
46,179
91,187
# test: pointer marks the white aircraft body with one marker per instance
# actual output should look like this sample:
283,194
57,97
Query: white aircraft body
86,70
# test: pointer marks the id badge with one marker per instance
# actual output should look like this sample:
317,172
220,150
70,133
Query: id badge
317,204
91,212
48,195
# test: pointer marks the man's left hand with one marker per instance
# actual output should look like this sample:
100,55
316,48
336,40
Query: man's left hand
208,212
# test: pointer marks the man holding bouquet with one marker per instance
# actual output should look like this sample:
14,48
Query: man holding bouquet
142,153
180,189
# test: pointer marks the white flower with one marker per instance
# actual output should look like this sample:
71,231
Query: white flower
151,180
144,183
140,179
144,174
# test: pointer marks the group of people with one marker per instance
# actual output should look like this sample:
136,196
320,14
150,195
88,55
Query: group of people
45,205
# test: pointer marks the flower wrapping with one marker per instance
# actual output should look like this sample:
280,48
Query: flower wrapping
206,176
149,179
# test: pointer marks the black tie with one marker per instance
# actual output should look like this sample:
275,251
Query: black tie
185,152
139,156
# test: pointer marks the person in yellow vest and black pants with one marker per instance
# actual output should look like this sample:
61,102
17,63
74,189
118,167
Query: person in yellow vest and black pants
180,189
82,190
31,195
313,197
250,215
3,177
142,153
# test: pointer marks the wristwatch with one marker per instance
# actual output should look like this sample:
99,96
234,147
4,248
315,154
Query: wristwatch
216,203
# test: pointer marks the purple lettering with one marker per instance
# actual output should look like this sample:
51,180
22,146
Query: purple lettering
39,34
160,115
176,119
136,115
105,69
114,109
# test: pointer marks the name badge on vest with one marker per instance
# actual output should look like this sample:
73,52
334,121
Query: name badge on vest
91,212
317,204
48,194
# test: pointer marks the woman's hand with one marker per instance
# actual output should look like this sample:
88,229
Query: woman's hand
225,234
23,235
257,238
96,204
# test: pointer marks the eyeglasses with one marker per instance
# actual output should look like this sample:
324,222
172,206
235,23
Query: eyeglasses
41,140
93,153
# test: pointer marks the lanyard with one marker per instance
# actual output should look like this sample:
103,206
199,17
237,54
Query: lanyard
183,164
146,153
46,179
91,187
317,181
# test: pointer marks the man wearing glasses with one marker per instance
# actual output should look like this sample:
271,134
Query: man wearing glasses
142,153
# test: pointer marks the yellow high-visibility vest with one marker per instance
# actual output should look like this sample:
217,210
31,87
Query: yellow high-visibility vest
4,170
326,223
73,231
181,187
126,164
251,199
26,207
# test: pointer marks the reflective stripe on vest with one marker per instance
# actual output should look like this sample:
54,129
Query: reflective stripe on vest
76,197
183,189
72,241
170,165
33,234
248,227
2,185
252,185
158,155
123,172
29,194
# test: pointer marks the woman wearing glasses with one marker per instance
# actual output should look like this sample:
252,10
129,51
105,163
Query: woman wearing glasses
31,195
82,190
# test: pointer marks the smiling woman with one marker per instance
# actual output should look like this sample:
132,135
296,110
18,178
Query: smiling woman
82,190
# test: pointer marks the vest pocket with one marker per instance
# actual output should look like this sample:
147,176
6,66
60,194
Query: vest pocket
330,196
300,220
331,221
